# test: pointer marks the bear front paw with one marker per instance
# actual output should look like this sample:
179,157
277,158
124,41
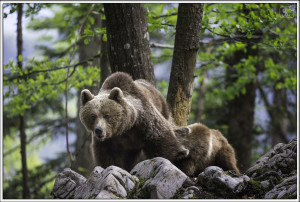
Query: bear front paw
182,131
183,153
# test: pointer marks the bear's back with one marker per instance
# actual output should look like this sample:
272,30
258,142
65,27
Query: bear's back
155,97
140,89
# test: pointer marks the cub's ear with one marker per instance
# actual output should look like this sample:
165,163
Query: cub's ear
116,94
86,96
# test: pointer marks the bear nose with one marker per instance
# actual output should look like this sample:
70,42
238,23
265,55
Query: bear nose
99,132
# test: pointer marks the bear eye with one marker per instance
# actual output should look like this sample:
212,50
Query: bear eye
93,117
106,116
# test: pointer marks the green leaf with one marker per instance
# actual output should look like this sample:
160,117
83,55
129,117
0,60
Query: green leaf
88,32
243,91
104,37
11,63
249,35
20,58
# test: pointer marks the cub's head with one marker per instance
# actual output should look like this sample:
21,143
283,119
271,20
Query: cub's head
107,114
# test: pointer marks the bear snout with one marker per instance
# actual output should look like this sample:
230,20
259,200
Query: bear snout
99,132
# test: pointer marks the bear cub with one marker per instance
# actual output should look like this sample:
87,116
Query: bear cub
207,147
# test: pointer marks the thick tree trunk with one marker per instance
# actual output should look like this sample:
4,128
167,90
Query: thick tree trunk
128,40
241,113
186,46
278,120
105,70
84,161
240,125
241,109
26,193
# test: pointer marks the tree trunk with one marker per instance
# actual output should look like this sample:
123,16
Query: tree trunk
186,46
128,40
240,125
84,161
241,112
26,193
105,70
278,121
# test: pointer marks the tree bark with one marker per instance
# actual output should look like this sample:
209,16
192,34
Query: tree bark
278,121
241,112
105,70
186,47
25,193
240,125
128,40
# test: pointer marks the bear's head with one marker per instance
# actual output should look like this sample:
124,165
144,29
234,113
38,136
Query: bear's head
107,114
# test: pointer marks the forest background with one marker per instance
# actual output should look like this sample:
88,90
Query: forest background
244,81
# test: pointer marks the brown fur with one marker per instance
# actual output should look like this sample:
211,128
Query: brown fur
198,142
137,127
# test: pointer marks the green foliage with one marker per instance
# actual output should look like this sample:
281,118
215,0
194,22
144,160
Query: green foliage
163,87
263,35
45,79
161,19
31,9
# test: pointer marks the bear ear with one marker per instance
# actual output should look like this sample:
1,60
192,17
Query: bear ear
116,94
86,96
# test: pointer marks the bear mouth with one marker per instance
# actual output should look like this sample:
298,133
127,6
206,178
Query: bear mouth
100,137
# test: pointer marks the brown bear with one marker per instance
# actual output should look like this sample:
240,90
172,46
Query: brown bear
130,121
207,147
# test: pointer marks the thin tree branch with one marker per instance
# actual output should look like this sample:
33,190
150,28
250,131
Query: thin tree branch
234,37
157,45
244,38
164,16
52,69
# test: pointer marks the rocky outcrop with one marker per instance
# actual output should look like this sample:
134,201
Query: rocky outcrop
162,178
157,178
281,161
215,179
110,183
285,190
276,171
273,176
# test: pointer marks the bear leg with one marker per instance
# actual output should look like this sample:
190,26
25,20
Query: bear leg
226,158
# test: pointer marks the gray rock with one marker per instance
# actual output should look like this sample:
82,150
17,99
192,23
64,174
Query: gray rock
163,179
191,192
113,182
278,162
66,183
88,188
286,189
265,184
214,178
